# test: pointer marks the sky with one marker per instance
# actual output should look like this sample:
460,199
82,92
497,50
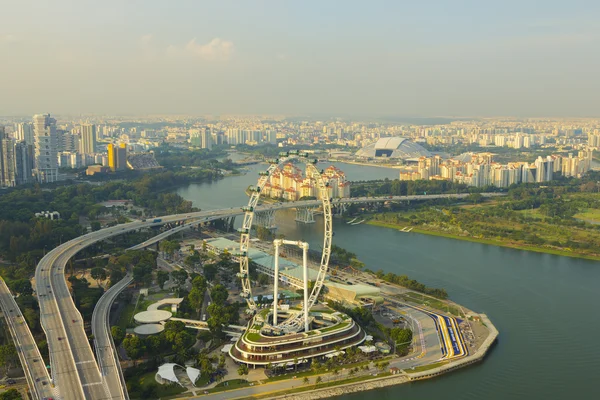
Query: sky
322,58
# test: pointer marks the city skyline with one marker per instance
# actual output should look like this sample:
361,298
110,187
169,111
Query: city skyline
274,58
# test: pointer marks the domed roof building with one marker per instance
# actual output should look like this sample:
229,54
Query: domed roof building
393,147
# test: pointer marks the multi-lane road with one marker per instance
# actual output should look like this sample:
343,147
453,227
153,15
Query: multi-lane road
74,368
108,360
33,365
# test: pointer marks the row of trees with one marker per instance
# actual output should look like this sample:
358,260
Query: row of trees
412,284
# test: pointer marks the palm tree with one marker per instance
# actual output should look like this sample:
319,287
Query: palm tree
319,380
316,365
306,380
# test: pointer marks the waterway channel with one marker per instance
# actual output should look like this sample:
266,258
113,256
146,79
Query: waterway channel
545,306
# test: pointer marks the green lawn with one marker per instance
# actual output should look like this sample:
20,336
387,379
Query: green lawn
162,390
590,214
424,367
431,302
126,316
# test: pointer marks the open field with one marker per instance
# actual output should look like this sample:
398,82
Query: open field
525,229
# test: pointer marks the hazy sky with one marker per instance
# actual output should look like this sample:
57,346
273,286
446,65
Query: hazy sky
403,58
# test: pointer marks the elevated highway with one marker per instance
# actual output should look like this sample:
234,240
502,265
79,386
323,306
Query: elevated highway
106,354
33,365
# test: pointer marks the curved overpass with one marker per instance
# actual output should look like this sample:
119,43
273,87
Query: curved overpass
74,367
106,354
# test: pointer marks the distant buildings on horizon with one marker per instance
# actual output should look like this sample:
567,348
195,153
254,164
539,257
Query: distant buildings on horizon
479,169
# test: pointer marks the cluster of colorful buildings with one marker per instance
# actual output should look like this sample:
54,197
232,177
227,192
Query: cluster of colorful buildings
479,169
290,184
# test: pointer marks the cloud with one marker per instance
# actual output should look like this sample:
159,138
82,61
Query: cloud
215,50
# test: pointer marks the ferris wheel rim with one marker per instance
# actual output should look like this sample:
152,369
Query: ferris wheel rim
249,211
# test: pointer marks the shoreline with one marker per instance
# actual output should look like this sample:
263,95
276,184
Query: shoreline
491,242
363,385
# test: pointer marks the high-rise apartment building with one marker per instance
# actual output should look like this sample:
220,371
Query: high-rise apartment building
88,139
23,157
117,156
206,139
46,154
24,133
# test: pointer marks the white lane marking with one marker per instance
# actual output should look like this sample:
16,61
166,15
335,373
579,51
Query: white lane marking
85,362
93,383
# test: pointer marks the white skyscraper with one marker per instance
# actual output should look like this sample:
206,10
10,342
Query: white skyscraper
88,139
24,133
46,154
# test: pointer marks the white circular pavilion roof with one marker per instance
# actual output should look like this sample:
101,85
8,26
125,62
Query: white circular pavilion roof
152,317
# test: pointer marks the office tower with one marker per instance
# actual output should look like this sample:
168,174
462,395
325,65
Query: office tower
23,157
46,154
25,133
206,139
117,156
88,139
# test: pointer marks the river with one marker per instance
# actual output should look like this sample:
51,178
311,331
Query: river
545,306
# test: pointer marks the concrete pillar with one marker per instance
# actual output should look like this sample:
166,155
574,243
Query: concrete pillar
276,244
305,266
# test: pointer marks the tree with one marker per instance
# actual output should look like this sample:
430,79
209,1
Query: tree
22,286
306,381
11,394
95,226
219,294
179,276
134,347
263,279
243,370
161,278
118,334
210,271
98,273
316,365
8,356
318,380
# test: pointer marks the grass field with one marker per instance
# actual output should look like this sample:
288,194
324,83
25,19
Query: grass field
590,214
162,390
494,242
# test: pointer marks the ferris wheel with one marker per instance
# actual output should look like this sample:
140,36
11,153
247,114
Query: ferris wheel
294,323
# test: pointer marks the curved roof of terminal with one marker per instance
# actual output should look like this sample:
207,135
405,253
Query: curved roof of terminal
266,260
358,289
393,147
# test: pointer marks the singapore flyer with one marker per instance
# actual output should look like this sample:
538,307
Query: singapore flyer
295,322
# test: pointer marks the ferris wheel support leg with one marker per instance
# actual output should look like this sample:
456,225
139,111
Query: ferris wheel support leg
276,244
305,266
